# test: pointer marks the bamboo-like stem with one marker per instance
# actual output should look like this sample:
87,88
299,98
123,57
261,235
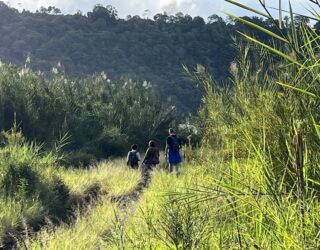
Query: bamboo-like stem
299,152
315,2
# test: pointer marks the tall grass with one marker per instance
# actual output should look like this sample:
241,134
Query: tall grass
28,182
161,222
86,233
256,182
261,189
90,228
33,185
13,212
109,175
229,205
265,128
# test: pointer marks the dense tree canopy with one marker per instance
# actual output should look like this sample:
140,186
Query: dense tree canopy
152,50
147,49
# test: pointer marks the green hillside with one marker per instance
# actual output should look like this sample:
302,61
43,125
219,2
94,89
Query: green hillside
146,49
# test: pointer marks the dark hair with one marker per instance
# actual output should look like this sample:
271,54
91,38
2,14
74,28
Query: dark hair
134,146
171,130
152,143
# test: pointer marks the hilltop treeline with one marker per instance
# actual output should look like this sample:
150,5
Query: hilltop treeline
148,49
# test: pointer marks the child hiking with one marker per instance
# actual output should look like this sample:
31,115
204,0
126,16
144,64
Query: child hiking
172,151
151,158
133,157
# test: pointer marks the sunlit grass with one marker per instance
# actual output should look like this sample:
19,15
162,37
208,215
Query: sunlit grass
86,233
114,177
147,221
243,190
225,210
90,230
13,212
25,173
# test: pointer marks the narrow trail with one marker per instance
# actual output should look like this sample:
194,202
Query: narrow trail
90,196
134,195
35,225
127,202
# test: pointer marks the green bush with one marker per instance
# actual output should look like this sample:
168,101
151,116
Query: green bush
27,172
19,180
19,170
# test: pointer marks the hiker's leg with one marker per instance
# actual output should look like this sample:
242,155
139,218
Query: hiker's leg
177,169
170,167
144,168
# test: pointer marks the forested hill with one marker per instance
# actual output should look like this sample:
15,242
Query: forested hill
148,49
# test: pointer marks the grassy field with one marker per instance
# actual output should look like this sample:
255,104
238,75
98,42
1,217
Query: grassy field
90,229
87,232
113,178
252,182
27,183
218,202
217,206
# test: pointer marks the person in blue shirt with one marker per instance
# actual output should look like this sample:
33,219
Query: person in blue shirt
172,151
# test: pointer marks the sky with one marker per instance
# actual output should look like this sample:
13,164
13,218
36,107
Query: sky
202,8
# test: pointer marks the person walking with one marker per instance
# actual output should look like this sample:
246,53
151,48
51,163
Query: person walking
172,151
151,158
133,157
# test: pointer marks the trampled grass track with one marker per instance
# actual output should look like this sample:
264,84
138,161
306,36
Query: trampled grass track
102,188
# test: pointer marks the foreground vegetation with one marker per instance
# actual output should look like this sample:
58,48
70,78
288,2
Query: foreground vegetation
212,205
86,233
215,206
255,182
91,227
28,183
252,184
34,186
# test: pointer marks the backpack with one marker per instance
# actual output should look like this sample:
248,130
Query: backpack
175,146
133,159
